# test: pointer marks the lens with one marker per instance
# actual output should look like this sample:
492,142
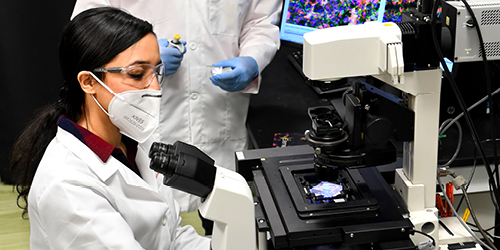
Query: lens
164,164
140,75
160,69
158,147
160,73
137,72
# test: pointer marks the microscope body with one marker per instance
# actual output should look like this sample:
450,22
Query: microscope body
382,58
226,196
230,205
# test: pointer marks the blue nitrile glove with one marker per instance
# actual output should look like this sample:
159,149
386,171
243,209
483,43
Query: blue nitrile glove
170,56
245,69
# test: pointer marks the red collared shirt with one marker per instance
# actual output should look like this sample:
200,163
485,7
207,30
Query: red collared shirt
100,147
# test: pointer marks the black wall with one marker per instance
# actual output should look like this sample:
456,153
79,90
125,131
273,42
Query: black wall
29,68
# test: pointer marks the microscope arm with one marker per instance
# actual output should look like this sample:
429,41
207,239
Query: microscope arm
350,51
230,205
227,199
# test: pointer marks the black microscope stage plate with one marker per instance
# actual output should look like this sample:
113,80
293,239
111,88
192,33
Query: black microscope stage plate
290,227
360,202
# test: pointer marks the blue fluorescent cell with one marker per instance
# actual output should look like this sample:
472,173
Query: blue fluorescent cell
327,189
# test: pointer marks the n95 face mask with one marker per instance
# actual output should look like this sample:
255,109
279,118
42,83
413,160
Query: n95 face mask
136,113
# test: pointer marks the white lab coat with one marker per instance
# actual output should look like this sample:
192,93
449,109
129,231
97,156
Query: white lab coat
78,202
193,109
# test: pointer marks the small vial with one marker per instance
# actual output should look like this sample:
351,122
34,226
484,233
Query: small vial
219,70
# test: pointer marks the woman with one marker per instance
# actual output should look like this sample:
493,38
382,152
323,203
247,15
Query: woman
208,113
75,164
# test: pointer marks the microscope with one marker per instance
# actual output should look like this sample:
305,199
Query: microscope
418,77
339,199
329,194
336,198
226,197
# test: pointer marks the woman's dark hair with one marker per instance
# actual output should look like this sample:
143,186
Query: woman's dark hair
89,41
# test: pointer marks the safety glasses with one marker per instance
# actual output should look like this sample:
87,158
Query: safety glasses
138,75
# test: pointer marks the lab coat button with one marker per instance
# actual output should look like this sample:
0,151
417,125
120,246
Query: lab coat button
194,96
164,220
193,46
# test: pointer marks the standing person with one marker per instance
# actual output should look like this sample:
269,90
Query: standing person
78,165
208,112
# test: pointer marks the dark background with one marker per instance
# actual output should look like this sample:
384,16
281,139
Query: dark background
29,65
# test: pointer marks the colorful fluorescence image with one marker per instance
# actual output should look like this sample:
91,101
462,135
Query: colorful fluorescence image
329,13
394,9
288,139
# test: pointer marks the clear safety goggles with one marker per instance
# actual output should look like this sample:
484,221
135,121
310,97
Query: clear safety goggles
138,75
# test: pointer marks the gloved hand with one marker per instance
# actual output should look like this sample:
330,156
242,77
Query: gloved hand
245,69
170,56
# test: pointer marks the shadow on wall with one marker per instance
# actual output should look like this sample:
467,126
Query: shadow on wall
31,78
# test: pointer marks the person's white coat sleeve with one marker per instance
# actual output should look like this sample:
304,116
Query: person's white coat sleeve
73,222
187,202
87,4
259,37
184,239
79,202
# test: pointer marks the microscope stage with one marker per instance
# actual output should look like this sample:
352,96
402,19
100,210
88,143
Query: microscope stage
354,201
366,212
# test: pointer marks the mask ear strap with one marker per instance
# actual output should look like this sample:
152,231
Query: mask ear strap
104,85
101,106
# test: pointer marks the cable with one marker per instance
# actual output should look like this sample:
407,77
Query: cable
486,231
493,236
490,99
460,100
473,214
459,143
427,235
493,227
466,227
473,170
468,109
488,83
472,211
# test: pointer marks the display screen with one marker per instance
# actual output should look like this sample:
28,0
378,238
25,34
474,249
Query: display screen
302,16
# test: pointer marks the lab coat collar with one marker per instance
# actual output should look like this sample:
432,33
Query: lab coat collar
101,169
142,160
104,170
100,147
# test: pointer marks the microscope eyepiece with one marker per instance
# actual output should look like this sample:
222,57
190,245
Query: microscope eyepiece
158,147
184,167
164,164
